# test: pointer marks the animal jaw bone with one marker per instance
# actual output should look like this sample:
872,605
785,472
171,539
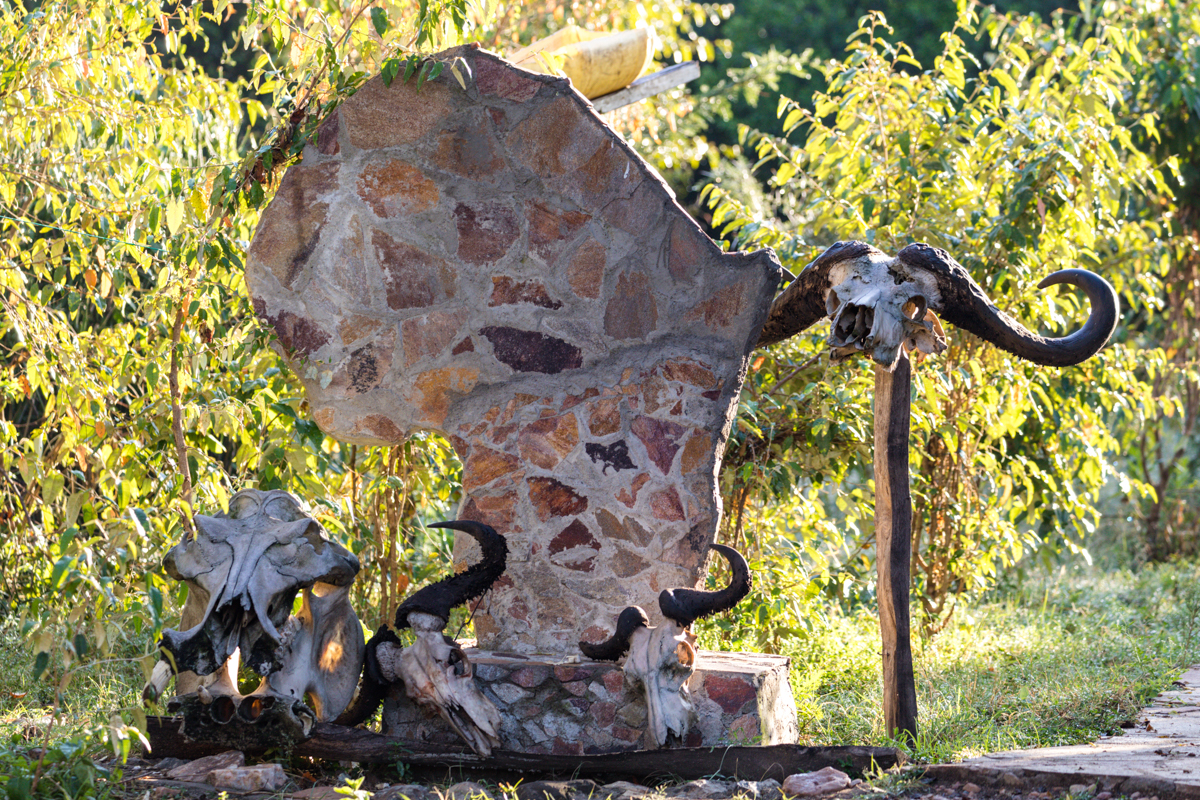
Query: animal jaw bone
661,660
436,672
244,569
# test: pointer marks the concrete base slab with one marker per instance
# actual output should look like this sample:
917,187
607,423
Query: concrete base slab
570,706
1160,755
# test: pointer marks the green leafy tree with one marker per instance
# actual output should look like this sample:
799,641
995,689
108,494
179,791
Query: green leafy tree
1022,168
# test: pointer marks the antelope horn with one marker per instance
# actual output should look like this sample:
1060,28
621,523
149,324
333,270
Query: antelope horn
964,304
685,606
630,620
437,599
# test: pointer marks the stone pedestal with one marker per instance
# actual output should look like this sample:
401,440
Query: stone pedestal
572,707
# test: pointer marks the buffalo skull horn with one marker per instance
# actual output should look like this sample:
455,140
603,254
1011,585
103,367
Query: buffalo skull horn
436,671
861,277
661,660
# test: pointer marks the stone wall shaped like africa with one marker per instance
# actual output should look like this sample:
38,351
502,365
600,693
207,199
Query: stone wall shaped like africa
498,265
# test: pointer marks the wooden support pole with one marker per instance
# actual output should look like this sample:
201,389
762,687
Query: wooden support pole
893,544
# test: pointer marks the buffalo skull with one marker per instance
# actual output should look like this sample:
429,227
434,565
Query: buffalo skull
662,659
879,304
436,672
244,569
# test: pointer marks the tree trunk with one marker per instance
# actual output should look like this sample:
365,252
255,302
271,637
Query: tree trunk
893,545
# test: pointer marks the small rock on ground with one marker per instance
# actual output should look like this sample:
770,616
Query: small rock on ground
769,789
702,789
624,790
557,790
808,784
259,778
404,791
197,771
467,790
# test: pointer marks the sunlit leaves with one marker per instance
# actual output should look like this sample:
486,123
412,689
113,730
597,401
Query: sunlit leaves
1018,169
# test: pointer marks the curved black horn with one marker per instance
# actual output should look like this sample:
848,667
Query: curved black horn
964,304
372,686
802,304
630,620
438,598
685,606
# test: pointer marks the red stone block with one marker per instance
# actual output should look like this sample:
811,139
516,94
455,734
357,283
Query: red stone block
507,291
485,231
665,505
563,748
614,682
603,712
327,136
729,692
495,79
531,676
551,229
551,498
661,439
632,312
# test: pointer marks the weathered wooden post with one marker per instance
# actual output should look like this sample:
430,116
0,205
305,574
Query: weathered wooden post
882,307
893,544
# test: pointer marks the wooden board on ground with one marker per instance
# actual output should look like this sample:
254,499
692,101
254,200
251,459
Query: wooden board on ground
338,743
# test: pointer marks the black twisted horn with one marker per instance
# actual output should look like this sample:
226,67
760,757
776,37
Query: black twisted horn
437,599
685,606
630,620
964,304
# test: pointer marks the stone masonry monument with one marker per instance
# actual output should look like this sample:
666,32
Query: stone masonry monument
496,264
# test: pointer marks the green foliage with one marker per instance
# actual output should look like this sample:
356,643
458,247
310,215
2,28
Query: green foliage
140,143
822,29
1023,169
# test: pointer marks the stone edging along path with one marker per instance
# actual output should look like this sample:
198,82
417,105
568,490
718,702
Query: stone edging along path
1160,755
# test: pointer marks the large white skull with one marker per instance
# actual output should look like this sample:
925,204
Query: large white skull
660,662
877,306
437,676
244,569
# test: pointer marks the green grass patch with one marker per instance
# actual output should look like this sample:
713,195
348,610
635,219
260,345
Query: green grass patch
1059,660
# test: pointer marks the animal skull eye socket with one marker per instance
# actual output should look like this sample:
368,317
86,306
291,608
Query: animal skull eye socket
283,509
242,506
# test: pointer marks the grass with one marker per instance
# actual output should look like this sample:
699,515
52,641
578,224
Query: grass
1056,660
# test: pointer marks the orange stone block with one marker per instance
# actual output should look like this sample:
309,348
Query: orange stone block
485,465
545,442
429,335
437,387
585,273
395,188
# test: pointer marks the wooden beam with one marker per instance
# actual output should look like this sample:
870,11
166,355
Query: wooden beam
647,86
338,743
893,544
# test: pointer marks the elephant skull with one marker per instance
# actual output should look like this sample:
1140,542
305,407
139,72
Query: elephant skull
244,570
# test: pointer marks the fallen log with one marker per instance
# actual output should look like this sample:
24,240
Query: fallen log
339,743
